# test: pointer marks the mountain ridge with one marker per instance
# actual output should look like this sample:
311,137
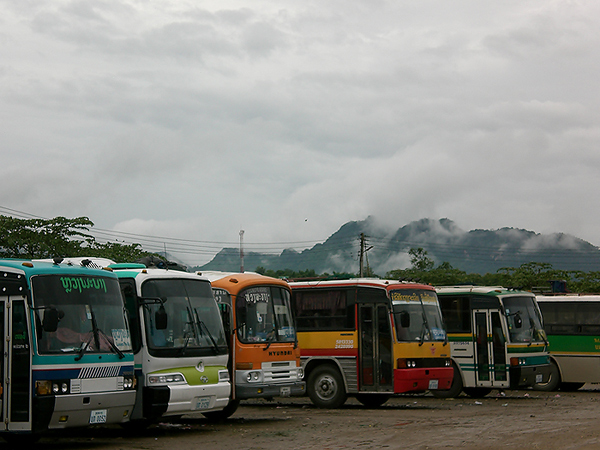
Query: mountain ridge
474,251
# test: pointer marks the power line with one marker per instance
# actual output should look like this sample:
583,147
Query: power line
340,244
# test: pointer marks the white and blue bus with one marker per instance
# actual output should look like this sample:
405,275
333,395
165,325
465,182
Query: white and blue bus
179,343
66,353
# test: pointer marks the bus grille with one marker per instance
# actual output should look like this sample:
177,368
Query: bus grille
99,372
281,371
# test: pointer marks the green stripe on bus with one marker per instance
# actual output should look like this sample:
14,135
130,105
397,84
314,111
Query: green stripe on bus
580,344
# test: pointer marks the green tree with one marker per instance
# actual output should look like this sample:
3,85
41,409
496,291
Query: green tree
419,259
43,238
59,237
119,253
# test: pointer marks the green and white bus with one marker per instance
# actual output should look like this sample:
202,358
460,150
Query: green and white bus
572,324
496,337
178,339
66,353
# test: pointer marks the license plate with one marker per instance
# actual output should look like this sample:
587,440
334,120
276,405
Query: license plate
285,391
433,384
202,403
98,416
539,378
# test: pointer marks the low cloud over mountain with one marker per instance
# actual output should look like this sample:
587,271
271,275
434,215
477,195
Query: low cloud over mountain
474,251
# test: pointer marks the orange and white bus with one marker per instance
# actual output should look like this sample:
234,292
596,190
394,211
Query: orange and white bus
264,357
370,338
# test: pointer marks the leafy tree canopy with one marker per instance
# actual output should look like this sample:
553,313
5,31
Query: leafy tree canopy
59,237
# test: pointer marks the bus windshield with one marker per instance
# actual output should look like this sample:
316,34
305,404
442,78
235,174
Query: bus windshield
524,320
90,312
194,323
417,315
264,314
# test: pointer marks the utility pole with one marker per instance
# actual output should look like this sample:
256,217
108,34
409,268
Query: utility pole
363,254
242,251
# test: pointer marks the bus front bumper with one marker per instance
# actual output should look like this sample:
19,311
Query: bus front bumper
79,410
184,399
528,376
246,391
422,379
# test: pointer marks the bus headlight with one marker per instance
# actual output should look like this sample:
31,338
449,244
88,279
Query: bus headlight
223,376
49,387
166,379
403,363
253,377
128,383
300,373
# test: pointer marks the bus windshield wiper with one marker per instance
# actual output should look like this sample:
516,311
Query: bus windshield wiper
425,326
96,336
111,344
84,347
202,325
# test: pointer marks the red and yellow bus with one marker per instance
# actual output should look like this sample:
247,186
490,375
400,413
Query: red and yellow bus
264,357
370,338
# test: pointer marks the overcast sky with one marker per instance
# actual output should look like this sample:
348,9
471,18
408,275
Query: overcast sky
196,119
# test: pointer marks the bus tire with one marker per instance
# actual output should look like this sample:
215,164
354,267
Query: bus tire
225,413
553,380
455,389
372,400
325,387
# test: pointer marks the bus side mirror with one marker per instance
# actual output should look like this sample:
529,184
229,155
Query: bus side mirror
160,318
405,319
225,311
51,318
518,321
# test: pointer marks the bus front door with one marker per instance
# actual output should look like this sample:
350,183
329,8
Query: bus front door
375,355
490,349
15,369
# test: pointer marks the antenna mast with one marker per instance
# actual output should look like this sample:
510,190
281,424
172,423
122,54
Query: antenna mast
242,251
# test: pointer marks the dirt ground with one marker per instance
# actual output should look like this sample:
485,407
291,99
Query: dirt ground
517,419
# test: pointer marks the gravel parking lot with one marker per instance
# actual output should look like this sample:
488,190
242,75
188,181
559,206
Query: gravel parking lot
514,419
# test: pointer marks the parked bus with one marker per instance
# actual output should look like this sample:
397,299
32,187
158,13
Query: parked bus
66,352
572,323
179,343
265,358
371,339
497,339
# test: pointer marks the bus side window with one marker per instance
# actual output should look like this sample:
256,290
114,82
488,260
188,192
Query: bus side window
588,318
324,309
457,314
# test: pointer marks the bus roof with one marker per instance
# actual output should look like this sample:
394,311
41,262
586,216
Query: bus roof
38,267
568,298
142,273
85,261
241,280
482,290
362,282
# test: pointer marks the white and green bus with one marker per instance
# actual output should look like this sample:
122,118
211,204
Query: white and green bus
66,358
496,337
178,339
572,324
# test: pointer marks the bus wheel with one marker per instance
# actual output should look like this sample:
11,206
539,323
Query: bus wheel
225,413
553,380
455,389
477,392
326,388
372,400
